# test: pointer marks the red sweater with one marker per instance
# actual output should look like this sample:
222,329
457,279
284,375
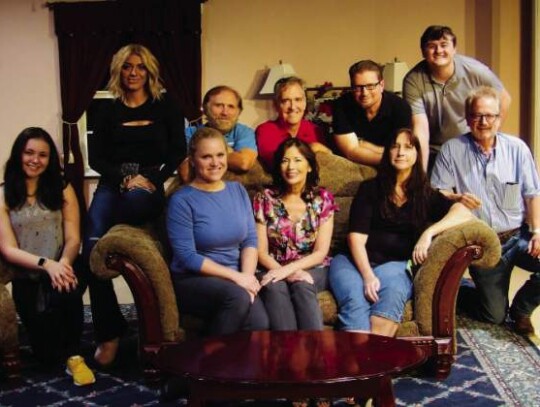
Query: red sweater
272,133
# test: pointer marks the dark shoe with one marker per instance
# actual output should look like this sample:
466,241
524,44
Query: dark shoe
523,325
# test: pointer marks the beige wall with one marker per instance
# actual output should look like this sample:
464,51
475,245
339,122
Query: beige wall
242,38
321,39
507,54
28,72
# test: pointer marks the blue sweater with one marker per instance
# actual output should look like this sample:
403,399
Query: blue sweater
214,225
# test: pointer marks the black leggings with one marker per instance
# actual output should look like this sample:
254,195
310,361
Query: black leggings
53,320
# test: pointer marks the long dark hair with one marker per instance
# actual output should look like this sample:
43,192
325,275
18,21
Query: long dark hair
417,189
312,179
50,187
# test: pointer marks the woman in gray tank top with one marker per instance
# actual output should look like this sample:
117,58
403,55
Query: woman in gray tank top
40,239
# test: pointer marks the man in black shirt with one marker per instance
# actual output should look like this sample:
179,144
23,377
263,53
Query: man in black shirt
366,118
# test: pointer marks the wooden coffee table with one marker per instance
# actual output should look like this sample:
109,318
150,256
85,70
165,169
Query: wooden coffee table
293,365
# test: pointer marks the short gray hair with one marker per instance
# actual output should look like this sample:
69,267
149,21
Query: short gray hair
481,92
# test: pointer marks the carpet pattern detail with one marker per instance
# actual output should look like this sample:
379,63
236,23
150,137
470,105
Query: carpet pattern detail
511,361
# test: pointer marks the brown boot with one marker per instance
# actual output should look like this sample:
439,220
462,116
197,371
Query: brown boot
523,325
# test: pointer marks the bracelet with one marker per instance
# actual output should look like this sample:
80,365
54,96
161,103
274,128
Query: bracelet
41,261
535,231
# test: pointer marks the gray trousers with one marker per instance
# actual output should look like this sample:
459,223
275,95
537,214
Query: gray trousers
294,306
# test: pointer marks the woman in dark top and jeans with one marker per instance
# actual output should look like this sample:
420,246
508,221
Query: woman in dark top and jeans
139,142
389,223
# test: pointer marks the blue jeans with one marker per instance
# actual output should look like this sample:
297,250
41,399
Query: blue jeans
294,306
223,305
354,309
491,300
110,207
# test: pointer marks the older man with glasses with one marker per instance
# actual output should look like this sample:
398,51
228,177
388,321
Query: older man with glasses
365,119
495,176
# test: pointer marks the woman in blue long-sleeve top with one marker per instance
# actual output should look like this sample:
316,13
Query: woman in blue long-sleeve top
212,234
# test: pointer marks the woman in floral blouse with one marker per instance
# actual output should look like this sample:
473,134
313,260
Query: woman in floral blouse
295,219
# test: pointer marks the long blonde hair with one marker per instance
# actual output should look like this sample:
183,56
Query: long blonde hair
153,84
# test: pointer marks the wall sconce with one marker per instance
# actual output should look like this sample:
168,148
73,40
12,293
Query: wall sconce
393,74
275,74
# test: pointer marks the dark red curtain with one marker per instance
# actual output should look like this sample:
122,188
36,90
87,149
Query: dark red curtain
171,29
88,36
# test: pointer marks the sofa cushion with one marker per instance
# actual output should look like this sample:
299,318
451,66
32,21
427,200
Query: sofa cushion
341,176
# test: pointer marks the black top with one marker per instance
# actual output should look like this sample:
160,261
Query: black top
155,150
349,117
389,239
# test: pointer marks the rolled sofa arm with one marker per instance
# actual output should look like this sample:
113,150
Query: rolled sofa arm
133,251
9,330
9,339
437,282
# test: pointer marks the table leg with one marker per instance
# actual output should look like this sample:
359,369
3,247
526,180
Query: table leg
386,396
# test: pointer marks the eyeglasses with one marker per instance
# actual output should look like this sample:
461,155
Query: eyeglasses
490,118
368,86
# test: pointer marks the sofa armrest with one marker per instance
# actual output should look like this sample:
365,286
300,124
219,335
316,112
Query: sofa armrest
134,253
437,282
9,339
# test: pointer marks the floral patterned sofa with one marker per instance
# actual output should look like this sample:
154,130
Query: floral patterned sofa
141,256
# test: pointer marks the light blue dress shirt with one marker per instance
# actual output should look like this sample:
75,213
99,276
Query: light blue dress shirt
502,181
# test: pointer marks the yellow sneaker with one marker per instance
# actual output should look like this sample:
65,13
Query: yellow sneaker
82,375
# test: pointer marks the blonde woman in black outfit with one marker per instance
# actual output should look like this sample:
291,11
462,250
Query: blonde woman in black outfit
139,142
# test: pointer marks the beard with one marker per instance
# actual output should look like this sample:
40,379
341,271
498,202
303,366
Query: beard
222,125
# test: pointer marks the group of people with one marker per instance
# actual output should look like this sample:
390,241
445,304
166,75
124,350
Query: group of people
263,266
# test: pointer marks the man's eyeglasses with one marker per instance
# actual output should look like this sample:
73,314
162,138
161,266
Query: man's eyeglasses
368,86
490,118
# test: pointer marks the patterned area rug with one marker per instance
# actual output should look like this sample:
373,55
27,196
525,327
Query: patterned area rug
494,367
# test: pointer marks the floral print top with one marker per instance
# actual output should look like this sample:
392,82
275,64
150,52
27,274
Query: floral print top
288,240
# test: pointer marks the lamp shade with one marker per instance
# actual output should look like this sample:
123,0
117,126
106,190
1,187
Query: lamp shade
276,73
393,73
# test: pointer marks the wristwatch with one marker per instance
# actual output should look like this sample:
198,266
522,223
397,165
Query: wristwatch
41,261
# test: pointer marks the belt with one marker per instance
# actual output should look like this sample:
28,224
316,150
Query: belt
505,236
